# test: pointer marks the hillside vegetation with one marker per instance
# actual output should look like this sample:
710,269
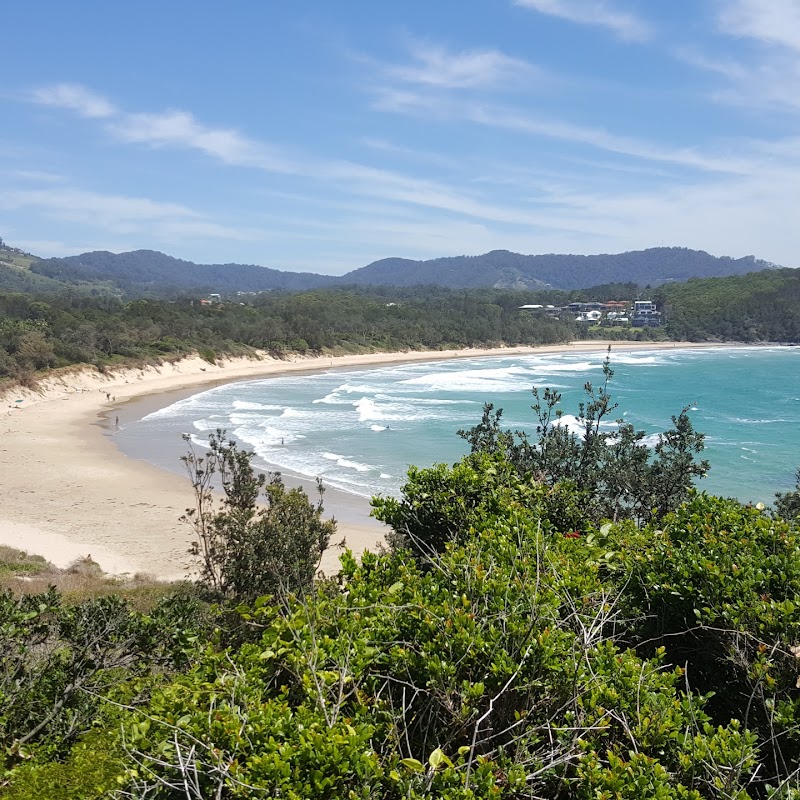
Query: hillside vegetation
761,306
16,275
150,273
506,270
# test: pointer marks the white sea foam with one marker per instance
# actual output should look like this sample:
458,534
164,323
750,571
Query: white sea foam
184,408
245,419
199,441
760,421
573,424
636,361
358,388
266,437
244,405
297,413
341,461
333,398
424,401
466,381
370,411
538,365
377,428
207,425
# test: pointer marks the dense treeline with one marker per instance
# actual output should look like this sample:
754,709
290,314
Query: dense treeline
37,333
758,307
518,645
46,330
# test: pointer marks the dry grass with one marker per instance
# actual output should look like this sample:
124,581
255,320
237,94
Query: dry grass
19,563
22,573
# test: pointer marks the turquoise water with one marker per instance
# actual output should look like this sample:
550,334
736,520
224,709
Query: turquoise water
360,429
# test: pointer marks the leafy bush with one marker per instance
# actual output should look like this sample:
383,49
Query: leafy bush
489,673
246,551
610,472
787,504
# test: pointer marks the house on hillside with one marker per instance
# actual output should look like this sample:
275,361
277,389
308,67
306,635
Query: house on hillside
645,315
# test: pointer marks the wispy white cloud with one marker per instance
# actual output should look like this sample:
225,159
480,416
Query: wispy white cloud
180,129
120,213
434,66
404,101
51,248
76,98
38,176
624,24
605,140
764,77
205,229
77,202
171,128
726,67
410,153
769,21
496,116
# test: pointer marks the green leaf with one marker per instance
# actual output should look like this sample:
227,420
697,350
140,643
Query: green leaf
413,764
437,758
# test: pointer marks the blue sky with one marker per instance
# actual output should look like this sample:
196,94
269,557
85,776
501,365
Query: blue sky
313,135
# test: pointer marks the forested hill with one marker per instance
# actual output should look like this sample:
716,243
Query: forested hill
151,272
762,306
147,272
505,270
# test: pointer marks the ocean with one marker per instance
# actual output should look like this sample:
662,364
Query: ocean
360,429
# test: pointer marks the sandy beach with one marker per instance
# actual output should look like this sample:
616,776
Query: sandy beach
68,492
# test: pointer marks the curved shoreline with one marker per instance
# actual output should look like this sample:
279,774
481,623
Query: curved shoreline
69,492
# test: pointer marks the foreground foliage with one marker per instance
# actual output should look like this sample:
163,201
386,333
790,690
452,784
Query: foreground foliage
520,658
521,662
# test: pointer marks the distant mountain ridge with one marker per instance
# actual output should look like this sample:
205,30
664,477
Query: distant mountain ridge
152,272
505,270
